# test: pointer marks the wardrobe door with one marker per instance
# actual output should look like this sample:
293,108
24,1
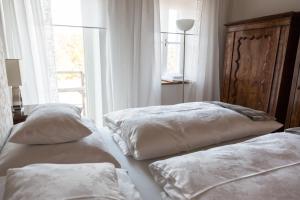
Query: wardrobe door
253,64
293,116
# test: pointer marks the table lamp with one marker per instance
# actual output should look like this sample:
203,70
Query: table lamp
14,81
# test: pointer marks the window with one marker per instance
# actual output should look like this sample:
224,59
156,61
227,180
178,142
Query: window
69,61
171,37
76,28
172,54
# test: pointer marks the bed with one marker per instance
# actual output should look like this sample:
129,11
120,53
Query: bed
265,167
156,131
90,150
35,165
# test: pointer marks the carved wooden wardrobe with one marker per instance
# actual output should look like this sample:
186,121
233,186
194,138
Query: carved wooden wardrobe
261,67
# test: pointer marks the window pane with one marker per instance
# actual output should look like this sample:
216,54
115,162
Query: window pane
173,58
75,98
66,12
70,80
69,52
174,38
171,10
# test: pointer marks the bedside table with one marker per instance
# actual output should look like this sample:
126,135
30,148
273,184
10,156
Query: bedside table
21,116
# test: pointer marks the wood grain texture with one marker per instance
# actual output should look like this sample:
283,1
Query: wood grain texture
253,67
259,63
293,115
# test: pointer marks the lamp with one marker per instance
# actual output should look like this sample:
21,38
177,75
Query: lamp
14,80
184,25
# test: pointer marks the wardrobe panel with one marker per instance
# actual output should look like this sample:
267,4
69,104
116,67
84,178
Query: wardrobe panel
254,60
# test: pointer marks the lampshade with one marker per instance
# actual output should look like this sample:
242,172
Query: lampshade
13,72
185,24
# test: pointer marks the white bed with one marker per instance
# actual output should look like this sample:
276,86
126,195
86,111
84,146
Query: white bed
156,131
265,167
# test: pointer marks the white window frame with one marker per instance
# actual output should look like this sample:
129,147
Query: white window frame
164,51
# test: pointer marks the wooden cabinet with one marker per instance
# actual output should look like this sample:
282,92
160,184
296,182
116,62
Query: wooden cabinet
293,115
259,64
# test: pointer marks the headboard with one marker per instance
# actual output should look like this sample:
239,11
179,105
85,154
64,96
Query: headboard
259,62
5,102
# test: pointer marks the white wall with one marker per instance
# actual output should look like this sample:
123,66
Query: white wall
172,94
247,9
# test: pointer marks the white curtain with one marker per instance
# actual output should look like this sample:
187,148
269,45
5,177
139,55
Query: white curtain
26,39
121,54
206,68
94,14
134,54
207,81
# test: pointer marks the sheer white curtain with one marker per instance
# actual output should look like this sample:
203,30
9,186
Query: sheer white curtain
26,39
205,71
207,81
134,54
121,54
94,15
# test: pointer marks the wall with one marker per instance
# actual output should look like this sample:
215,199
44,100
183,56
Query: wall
243,9
5,108
172,94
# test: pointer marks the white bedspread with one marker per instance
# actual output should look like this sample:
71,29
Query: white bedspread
127,188
265,167
158,131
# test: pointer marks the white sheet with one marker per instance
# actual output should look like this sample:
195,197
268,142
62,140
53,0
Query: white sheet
137,170
90,149
265,167
158,131
127,188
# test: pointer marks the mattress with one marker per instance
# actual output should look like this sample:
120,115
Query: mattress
126,186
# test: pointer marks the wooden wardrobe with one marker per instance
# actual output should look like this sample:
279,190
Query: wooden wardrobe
260,69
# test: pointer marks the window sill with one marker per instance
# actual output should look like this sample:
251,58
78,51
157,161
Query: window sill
164,82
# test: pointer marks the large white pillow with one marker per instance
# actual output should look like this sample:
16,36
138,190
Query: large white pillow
51,181
91,149
51,124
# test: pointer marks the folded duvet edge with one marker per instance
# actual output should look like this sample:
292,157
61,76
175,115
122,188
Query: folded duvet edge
255,115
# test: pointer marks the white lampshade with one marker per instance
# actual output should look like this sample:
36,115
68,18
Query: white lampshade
13,72
185,24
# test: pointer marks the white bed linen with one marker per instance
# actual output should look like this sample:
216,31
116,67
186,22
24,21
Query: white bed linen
265,167
127,188
137,170
158,131
91,149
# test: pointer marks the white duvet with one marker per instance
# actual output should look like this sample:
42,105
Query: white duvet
157,131
72,181
266,167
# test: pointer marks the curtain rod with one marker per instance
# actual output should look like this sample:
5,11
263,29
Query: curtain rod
94,27
75,26
178,33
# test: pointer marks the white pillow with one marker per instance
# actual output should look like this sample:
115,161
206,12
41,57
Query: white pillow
51,181
51,124
91,149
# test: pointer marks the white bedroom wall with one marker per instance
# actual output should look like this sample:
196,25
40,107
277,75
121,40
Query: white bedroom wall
243,9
